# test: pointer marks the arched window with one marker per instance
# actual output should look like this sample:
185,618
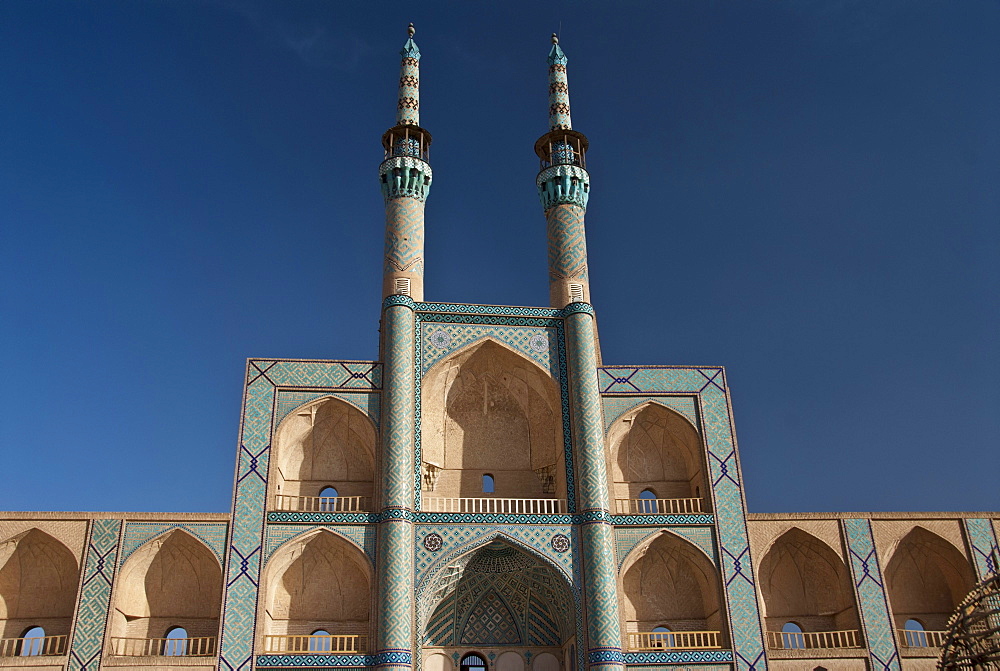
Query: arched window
176,643
488,484
914,634
327,499
320,641
662,637
34,640
473,661
647,502
791,636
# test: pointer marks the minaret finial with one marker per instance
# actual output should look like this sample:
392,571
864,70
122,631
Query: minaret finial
555,37
411,30
559,117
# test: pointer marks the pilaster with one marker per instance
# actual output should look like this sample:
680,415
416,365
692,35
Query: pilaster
869,586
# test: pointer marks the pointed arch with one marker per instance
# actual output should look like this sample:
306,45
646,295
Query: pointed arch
488,408
669,581
317,580
327,442
38,584
926,578
639,549
802,579
312,531
172,580
655,448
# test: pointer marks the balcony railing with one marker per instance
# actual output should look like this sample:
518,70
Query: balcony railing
648,641
347,644
911,638
658,506
324,504
436,504
203,646
807,640
33,647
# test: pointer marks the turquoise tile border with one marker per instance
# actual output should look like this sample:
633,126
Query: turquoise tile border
212,534
983,543
869,588
95,595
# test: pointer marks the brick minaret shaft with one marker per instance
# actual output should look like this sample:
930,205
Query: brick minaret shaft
564,186
405,177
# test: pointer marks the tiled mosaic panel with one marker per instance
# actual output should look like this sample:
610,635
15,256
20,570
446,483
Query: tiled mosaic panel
663,520
310,373
499,310
983,543
314,661
870,589
404,236
368,403
567,242
95,596
537,344
659,379
213,534
627,540
677,667
363,536
682,657
730,516
616,406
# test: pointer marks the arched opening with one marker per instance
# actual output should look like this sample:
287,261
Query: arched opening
805,583
488,410
323,446
38,584
791,636
498,595
657,463
672,596
926,578
316,597
167,599
33,642
473,662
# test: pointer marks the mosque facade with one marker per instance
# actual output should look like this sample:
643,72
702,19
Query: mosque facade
488,496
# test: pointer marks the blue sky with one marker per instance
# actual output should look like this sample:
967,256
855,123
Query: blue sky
804,192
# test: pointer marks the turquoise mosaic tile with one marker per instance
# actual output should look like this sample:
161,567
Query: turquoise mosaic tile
627,540
368,403
616,406
213,534
870,590
363,537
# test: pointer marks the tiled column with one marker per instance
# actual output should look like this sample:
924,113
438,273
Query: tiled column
604,648
87,640
983,545
876,620
395,640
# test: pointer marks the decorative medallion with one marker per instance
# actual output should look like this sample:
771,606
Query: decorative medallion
538,342
440,339
560,543
433,542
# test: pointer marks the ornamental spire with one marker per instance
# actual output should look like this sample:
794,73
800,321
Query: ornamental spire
408,109
559,117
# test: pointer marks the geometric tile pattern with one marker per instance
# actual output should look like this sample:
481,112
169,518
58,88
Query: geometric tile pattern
983,543
662,520
869,587
538,344
246,533
408,107
616,406
404,236
95,596
627,540
559,114
213,534
368,403
709,385
491,623
683,657
313,661
364,537
567,243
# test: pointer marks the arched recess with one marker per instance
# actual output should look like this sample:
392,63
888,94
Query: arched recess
173,580
927,577
38,584
668,582
497,594
656,448
489,410
804,581
317,581
325,443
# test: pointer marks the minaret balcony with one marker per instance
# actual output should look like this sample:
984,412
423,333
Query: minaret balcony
563,185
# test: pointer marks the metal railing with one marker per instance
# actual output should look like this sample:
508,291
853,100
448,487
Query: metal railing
916,638
645,641
203,646
658,506
807,640
323,504
319,643
33,646
436,504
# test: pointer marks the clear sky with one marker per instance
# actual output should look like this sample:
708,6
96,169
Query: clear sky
804,192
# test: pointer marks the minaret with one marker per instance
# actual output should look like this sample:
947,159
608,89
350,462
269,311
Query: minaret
564,186
405,176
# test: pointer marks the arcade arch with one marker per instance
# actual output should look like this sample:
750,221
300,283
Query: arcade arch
325,444
38,585
487,410
656,463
